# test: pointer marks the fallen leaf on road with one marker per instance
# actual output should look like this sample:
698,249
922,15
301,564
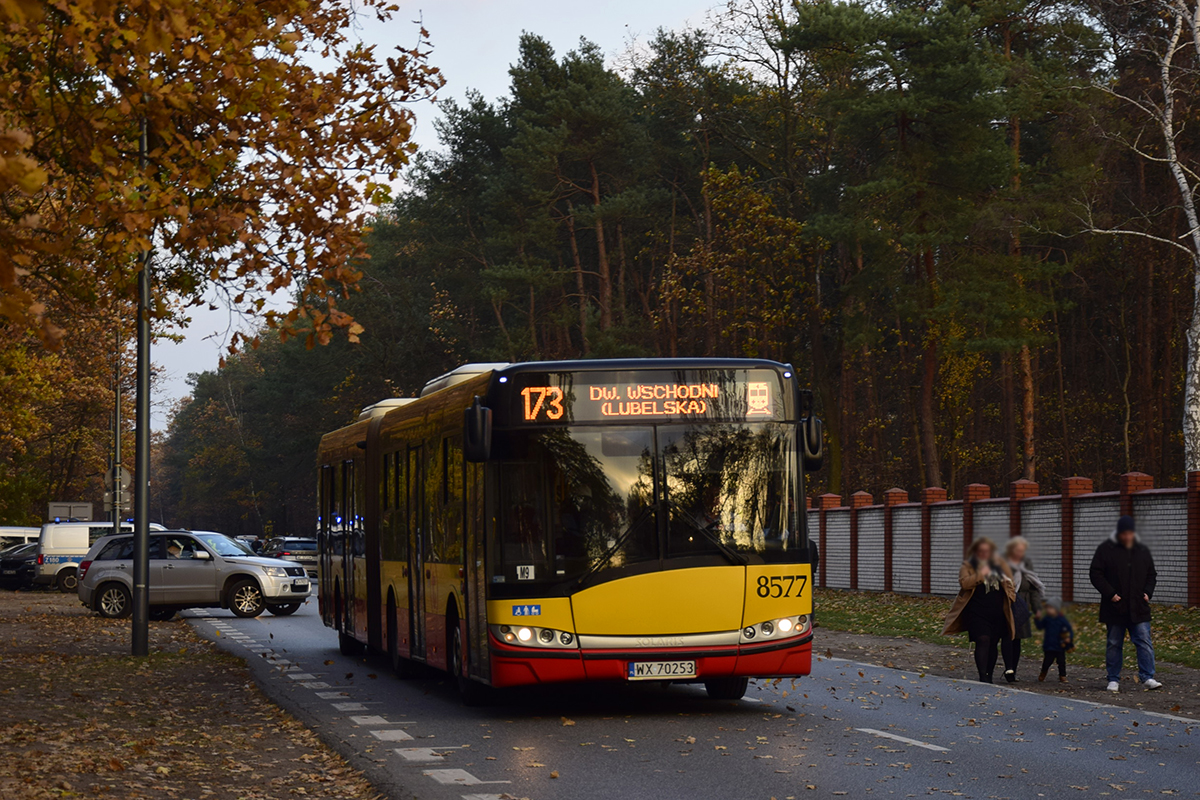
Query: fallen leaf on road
567,722
554,774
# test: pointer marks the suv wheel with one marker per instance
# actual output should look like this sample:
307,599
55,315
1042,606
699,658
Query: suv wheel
284,609
114,601
246,599
67,581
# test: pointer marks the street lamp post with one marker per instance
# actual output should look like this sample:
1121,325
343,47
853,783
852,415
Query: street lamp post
141,490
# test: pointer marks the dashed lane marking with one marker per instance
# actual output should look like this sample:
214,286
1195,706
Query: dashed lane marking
302,676
315,685
483,797
375,719
392,735
421,754
332,696
458,777
905,740
349,706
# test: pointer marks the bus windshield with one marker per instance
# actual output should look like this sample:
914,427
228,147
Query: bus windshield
579,505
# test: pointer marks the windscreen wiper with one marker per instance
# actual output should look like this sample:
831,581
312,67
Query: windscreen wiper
706,531
612,551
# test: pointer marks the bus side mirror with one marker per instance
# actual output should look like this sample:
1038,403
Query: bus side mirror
812,443
477,433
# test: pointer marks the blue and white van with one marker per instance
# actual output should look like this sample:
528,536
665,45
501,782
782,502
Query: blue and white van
62,545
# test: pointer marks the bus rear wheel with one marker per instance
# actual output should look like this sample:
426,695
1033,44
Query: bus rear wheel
727,688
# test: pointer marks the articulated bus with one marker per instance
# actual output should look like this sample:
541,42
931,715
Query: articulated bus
613,520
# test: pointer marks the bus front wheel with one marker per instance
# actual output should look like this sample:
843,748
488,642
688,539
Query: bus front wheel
727,688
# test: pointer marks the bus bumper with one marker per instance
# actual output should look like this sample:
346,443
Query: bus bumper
514,666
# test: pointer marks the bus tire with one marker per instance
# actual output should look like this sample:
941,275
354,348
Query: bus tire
67,581
727,688
472,692
349,646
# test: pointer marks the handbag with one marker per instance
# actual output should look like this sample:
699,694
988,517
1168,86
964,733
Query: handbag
1020,613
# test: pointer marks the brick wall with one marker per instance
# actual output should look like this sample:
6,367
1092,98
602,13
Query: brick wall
928,537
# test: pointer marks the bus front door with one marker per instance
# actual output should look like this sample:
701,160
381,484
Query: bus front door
349,533
417,523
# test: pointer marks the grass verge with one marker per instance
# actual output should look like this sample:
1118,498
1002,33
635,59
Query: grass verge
1176,629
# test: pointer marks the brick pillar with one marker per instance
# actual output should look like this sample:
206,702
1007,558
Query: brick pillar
1193,538
929,496
1131,484
974,492
857,501
824,503
1018,491
892,497
1070,488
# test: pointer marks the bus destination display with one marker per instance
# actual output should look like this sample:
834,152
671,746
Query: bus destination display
749,395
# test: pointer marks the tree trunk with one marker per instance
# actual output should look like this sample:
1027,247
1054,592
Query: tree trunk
929,369
580,286
1027,450
622,269
601,254
1008,414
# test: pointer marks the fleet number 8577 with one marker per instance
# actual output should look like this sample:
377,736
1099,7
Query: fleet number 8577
782,585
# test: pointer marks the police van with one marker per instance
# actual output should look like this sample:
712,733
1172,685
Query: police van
62,545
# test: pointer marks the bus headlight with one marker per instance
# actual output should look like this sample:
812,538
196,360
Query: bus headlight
785,625
749,633
546,635
767,628
524,634
566,639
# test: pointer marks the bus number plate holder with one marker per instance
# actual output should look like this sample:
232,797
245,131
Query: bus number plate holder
661,670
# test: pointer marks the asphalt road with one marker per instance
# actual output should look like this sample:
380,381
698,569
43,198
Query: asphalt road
848,730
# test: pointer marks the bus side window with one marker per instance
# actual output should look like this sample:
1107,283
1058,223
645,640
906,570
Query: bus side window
452,493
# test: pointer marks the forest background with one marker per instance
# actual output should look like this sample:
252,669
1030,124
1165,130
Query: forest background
912,202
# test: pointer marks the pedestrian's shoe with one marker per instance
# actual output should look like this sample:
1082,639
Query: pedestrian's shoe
1114,687
1151,684
1062,679
1010,675
1042,676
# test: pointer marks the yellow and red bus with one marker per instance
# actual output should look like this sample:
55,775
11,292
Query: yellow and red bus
577,521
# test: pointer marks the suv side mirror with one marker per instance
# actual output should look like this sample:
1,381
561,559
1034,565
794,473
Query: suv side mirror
201,555
477,433
812,443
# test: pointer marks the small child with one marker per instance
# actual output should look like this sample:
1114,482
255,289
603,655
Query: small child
1059,640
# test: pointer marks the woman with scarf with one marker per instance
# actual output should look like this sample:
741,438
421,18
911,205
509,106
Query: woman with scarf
983,607
1030,591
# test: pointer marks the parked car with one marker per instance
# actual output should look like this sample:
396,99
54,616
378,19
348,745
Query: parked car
190,569
17,565
253,542
11,535
62,545
294,548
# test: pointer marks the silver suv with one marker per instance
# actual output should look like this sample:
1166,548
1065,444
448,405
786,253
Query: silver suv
190,569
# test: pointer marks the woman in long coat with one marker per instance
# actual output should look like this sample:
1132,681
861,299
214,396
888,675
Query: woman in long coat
983,607
1030,589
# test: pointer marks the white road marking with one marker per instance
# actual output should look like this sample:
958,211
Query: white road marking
349,706
904,739
375,719
457,776
302,676
332,696
314,684
393,735
420,754
483,797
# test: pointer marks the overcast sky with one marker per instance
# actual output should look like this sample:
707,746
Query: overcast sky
474,42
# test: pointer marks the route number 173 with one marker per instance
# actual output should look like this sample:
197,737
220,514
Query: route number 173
543,398
782,585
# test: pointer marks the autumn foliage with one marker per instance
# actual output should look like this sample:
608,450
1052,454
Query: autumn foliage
269,129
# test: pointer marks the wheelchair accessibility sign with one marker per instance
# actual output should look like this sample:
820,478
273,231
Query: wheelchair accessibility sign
526,611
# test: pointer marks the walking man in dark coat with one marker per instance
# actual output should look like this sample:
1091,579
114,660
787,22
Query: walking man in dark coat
1123,573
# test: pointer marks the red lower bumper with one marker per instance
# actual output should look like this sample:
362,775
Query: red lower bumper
513,666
